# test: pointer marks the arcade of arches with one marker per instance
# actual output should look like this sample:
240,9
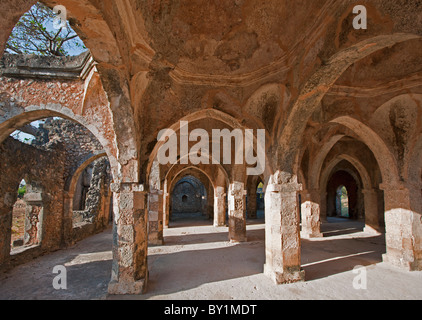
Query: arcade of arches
341,108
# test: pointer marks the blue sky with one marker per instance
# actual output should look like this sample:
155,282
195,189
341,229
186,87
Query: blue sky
70,46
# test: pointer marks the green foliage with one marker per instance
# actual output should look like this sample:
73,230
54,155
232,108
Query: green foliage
35,34
21,191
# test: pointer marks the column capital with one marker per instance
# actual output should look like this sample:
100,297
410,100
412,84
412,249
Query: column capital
285,187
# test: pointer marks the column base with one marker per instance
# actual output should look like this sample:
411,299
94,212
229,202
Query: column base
314,235
401,263
155,242
371,230
240,240
220,225
127,288
284,277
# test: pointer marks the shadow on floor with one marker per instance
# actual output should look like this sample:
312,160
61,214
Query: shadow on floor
188,261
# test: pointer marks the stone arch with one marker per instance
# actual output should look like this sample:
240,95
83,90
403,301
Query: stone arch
312,93
218,178
190,185
374,220
410,154
342,177
318,161
203,115
178,173
363,173
34,113
90,23
71,185
268,106
383,155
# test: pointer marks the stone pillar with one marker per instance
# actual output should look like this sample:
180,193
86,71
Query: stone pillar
323,207
403,222
129,269
251,208
237,213
372,224
68,218
311,222
166,210
282,234
155,218
33,218
6,208
219,207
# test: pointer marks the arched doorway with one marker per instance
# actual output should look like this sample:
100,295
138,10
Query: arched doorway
255,198
47,153
344,198
342,202
188,200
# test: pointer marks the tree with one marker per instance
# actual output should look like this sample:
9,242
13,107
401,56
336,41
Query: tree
36,33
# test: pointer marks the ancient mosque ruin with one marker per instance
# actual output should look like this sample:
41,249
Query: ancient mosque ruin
339,109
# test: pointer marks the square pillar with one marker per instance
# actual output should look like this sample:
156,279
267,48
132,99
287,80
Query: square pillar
166,210
372,223
251,208
6,208
403,222
155,218
68,218
311,219
129,269
219,207
282,234
237,213
33,218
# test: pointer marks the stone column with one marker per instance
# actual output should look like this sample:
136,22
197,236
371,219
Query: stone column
166,210
323,207
311,221
129,269
33,218
251,208
403,222
371,211
282,234
6,208
68,218
237,214
219,207
155,218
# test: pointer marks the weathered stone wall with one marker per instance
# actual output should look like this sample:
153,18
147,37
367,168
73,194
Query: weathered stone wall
187,198
309,79
43,171
79,143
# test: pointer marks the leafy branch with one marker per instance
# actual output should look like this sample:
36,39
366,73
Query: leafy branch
35,34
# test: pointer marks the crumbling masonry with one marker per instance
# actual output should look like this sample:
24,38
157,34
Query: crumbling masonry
340,107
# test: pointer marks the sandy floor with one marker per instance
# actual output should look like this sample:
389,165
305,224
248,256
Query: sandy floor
197,262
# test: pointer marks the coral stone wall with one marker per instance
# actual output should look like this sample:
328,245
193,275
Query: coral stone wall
43,171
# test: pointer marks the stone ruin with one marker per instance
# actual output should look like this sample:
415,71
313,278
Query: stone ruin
340,106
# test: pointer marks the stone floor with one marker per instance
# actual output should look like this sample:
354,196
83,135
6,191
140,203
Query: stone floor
198,262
